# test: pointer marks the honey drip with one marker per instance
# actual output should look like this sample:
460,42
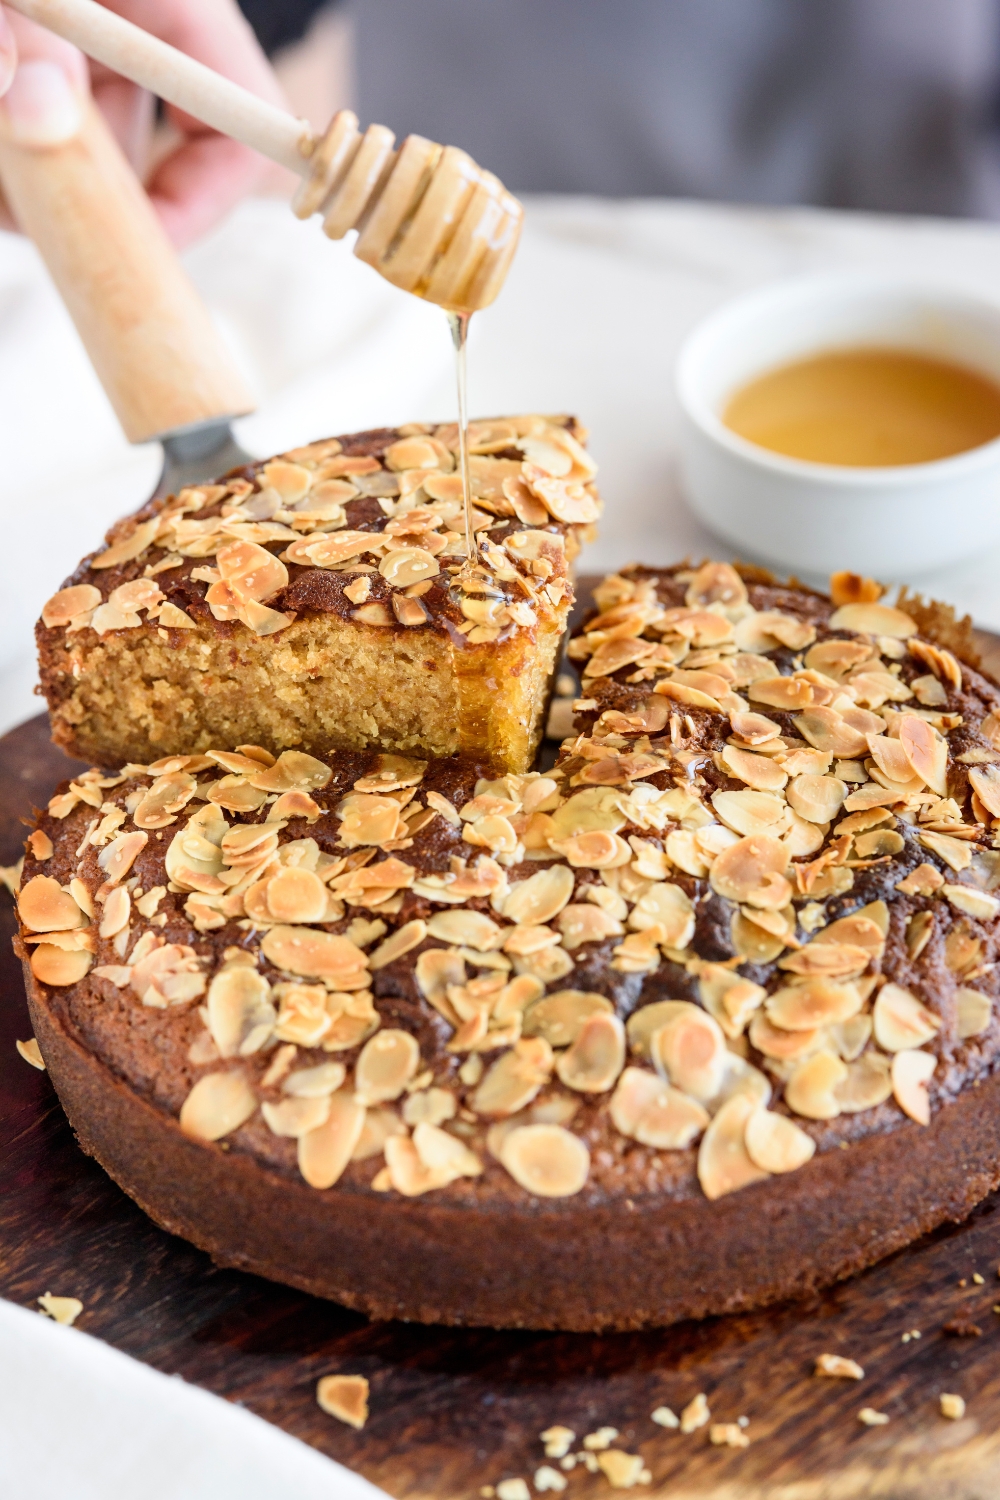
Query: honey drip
458,322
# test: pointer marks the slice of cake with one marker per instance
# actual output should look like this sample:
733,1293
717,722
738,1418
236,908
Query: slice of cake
322,600
704,1017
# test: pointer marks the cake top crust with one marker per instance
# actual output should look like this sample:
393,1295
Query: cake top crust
369,526
748,916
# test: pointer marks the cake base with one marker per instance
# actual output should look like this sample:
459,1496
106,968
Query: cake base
552,1264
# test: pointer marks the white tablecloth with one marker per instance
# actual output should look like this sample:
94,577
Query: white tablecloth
598,302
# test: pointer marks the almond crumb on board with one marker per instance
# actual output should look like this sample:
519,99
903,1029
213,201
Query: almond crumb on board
872,1418
622,1470
10,877
63,1310
728,1435
344,1397
513,1489
602,1438
913,1333
547,1478
952,1407
837,1367
487,1491
664,1417
557,1441
695,1414
979,1280
31,1054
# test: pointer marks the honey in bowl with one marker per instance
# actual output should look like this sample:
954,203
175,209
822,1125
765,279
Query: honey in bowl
867,408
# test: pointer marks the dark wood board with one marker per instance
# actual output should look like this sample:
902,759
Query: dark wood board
452,1410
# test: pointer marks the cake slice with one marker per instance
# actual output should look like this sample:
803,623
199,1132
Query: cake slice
320,599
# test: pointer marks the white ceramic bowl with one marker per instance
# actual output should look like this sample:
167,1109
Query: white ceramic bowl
891,523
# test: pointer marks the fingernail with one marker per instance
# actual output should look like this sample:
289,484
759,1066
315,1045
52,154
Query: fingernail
41,106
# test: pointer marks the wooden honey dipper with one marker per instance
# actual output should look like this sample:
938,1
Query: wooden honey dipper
429,219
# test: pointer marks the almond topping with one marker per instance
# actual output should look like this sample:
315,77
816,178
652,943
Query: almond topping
295,894
218,1104
59,967
316,955
911,1073
776,1144
387,1063
514,1079
901,1021
241,1016
873,619
648,1110
815,1001
344,1396
546,1160
724,1164
596,1057
44,906
691,1051
811,1091
974,1012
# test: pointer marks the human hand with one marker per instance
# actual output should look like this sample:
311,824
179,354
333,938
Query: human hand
205,174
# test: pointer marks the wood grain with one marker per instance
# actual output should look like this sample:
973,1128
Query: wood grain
453,1410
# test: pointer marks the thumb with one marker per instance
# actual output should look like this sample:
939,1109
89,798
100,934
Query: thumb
41,104
8,52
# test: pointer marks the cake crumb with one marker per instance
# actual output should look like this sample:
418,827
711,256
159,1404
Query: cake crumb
557,1441
513,1489
547,1478
40,845
837,1367
31,1054
602,1438
64,1310
872,1418
728,1435
664,1417
344,1397
622,1470
952,1407
695,1414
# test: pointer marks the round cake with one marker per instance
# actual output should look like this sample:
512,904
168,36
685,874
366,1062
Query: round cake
701,1018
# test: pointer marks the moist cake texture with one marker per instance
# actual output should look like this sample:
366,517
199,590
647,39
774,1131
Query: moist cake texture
703,1017
323,600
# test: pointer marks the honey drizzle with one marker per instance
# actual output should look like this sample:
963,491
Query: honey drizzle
458,322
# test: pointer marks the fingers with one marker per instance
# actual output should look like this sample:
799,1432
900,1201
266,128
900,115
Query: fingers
200,182
41,103
8,52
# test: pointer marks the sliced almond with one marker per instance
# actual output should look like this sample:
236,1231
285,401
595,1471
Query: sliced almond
217,1105
724,1164
811,1091
44,906
648,1019
775,1143
546,1160
758,771
911,1073
814,1002
240,1011
926,752
467,929
873,619
901,1021
690,1050
295,1117
753,870
650,1111
558,1017
669,909
975,1010
593,1062
387,1062
514,1079
296,895
782,1045
316,955
827,730
399,943
788,694
818,799
970,902
750,812
60,967
868,1083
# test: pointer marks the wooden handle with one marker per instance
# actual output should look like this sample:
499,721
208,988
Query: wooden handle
171,75
149,337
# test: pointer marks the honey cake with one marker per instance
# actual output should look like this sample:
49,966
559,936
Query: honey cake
702,1018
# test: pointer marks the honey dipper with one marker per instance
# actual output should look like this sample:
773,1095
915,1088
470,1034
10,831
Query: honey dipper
429,219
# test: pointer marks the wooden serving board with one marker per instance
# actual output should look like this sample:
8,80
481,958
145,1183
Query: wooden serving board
452,1410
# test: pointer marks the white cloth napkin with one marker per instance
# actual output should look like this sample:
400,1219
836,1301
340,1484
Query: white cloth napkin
80,1421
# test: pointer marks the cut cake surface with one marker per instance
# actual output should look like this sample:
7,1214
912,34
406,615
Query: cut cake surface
321,600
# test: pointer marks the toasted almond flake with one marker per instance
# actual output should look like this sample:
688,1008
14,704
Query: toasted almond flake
218,1104
650,1111
387,1062
344,1397
467,929
31,1053
728,1435
911,1073
409,936
901,1021
316,955
64,1310
240,1015
44,906
873,619
664,1417
546,1160
838,1366
557,1440
514,1079
117,909
788,694
559,1016
666,912
952,1407
776,1144
296,894
758,771
750,812
811,1091
724,1165
925,751
867,1084
547,1478
753,870
690,1050
814,1001
57,967
295,1117
622,1470
596,1058
696,1414
818,799
974,1012
120,855
973,903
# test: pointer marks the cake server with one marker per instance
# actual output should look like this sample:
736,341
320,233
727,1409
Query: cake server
159,357
431,221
